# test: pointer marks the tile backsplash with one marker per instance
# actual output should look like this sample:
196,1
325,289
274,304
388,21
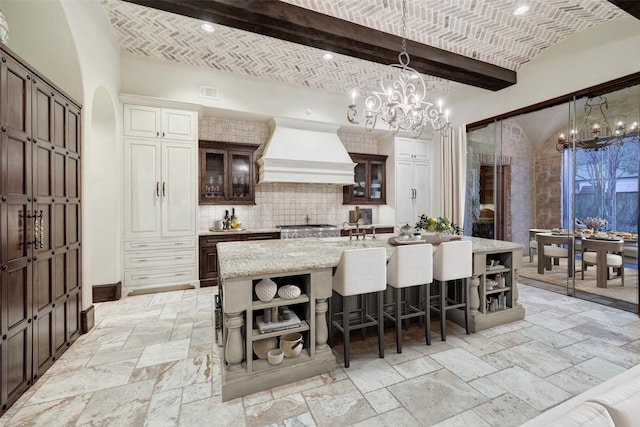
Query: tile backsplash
281,203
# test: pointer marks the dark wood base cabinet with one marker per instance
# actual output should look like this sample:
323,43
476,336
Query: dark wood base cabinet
209,253
40,287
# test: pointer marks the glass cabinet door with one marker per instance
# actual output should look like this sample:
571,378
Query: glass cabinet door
369,180
241,177
377,178
360,177
213,182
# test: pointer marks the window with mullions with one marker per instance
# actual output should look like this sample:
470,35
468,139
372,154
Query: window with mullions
606,185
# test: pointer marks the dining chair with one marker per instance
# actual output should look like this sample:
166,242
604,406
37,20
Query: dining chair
452,269
613,251
359,272
409,266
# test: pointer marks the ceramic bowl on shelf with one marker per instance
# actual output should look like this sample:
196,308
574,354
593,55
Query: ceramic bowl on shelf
275,357
291,344
262,347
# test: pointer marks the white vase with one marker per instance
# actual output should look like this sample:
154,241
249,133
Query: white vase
266,289
289,292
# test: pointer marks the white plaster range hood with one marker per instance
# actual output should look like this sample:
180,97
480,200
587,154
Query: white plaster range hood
304,152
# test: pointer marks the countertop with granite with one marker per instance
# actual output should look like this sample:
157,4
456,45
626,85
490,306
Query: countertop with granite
265,257
240,231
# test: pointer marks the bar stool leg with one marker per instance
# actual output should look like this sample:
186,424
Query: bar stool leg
398,320
379,298
331,329
428,311
467,296
443,312
345,328
363,314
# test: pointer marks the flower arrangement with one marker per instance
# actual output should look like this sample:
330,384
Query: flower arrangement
595,223
440,224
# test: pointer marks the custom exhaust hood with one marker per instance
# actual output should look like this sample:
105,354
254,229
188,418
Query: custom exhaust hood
304,152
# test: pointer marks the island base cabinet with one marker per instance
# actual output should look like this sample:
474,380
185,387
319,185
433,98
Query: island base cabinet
241,370
487,266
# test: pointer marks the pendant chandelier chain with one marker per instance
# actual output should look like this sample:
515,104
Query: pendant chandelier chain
403,57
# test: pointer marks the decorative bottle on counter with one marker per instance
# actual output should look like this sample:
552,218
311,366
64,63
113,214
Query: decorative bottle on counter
234,219
227,220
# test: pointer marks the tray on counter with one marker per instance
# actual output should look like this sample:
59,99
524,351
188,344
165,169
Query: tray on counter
434,239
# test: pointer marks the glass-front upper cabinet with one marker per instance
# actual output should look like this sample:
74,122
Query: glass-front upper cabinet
226,173
369,180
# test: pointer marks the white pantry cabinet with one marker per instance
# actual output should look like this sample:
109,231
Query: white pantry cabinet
409,177
166,123
160,197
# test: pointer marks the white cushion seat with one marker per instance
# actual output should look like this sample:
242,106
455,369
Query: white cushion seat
586,414
452,261
409,266
613,260
359,272
622,403
555,251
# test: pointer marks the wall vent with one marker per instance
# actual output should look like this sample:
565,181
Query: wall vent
208,92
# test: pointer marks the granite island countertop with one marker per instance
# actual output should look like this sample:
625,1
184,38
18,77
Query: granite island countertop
266,257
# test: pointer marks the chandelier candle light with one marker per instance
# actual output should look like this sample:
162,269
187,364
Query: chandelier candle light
401,102
596,133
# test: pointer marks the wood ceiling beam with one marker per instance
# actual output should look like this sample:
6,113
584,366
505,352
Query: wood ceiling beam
632,7
298,25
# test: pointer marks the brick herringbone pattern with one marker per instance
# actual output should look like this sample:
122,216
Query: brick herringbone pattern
480,29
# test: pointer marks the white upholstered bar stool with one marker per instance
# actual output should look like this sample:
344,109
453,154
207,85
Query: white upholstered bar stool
409,266
359,272
452,265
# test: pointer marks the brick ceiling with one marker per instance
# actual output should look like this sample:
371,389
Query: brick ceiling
485,30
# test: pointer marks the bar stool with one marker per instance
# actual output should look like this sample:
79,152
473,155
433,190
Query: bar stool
409,266
359,272
452,261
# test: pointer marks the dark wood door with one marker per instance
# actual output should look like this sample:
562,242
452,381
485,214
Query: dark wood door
56,169
16,231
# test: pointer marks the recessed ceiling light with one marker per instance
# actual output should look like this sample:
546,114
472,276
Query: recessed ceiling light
521,10
209,28
327,56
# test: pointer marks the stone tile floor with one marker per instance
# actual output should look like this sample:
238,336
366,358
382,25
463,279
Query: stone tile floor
151,361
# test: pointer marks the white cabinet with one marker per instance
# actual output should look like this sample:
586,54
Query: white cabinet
166,123
412,183
409,178
160,197
160,184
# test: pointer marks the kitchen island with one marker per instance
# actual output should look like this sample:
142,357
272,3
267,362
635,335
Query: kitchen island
308,263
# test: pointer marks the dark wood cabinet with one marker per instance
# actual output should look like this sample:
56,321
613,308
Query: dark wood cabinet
369,181
227,173
40,296
209,253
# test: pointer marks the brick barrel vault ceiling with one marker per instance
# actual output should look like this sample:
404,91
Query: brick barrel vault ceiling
481,29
